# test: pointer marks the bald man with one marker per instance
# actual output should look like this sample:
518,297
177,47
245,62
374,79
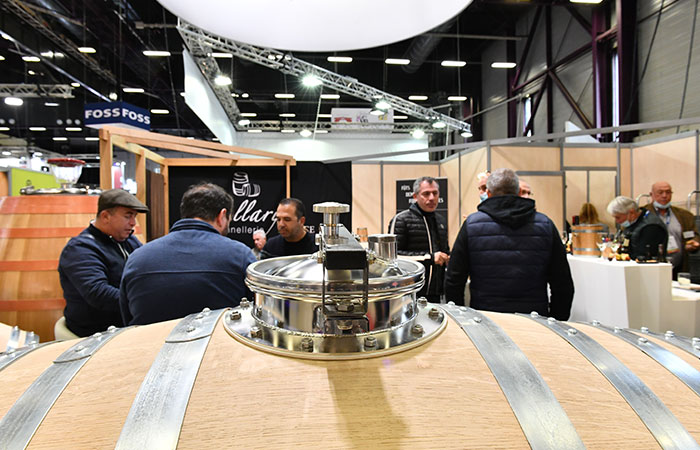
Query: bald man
525,189
682,233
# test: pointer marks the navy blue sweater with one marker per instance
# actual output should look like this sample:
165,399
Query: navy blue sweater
90,268
183,272
511,252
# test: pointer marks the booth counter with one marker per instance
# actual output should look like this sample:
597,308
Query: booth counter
632,295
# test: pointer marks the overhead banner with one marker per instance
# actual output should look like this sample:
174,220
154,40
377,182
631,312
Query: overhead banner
257,190
404,196
359,118
120,114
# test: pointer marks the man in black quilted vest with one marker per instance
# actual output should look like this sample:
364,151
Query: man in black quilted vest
421,235
511,252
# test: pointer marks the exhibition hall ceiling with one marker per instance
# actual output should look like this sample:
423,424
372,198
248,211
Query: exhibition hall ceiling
48,41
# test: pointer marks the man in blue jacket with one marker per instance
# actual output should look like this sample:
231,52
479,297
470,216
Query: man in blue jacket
511,252
91,264
193,267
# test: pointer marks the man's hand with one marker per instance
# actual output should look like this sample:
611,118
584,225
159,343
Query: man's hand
692,245
441,258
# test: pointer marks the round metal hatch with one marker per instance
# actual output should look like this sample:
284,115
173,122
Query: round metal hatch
342,302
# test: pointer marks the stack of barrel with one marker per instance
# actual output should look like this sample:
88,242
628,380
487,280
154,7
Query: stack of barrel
33,231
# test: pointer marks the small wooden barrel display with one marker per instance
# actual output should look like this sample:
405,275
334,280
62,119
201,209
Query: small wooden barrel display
488,380
585,238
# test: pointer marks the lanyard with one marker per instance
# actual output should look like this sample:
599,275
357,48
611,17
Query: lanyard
667,217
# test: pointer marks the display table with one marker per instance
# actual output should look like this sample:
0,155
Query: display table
685,311
625,294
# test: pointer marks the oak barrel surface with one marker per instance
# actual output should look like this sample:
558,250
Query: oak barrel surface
439,395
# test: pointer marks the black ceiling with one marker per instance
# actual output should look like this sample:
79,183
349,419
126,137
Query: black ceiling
121,30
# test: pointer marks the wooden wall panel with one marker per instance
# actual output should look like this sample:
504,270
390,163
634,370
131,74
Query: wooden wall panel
590,157
672,161
549,197
602,191
4,185
450,169
366,192
155,195
526,158
393,172
626,171
576,186
471,164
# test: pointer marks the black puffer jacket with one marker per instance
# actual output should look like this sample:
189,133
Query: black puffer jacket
412,239
511,253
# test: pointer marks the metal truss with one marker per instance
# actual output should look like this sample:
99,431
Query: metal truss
201,53
286,63
36,90
69,48
276,125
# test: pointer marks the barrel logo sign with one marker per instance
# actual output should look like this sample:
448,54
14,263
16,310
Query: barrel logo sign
119,114
247,210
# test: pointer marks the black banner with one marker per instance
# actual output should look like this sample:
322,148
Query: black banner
404,196
257,191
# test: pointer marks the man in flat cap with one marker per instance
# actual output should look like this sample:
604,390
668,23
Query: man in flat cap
91,264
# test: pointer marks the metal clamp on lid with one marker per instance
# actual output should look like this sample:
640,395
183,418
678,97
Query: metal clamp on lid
339,252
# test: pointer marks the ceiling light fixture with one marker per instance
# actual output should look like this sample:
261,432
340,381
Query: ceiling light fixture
417,98
31,59
340,59
74,129
13,101
4,128
439,124
255,131
288,115
310,80
2,58
222,80
38,154
324,116
75,84
321,131
417,133
60,138
382,104
48,54
466,134
156,53
502,65
456,98
31,72
160,111
305,133
448,63
245,95
130,90
6,153
284,95
249,114
330,96
244,122
92,138
37,128
287,130
222,55
590,2
397,61
113,96
87,50
50,104
400,117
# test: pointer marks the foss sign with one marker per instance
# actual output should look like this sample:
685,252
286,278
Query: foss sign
119,114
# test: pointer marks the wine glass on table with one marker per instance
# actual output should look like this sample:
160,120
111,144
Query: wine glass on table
603,244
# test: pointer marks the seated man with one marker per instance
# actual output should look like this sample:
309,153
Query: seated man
643,232
91,264
193,267
511,252
259,241
293,239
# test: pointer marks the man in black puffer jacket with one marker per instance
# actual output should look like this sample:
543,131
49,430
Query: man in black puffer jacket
422,235
511,253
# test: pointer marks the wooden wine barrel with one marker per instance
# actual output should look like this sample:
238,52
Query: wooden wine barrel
452,392
584,239
33,231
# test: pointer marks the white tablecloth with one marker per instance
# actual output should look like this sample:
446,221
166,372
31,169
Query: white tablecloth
623,294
